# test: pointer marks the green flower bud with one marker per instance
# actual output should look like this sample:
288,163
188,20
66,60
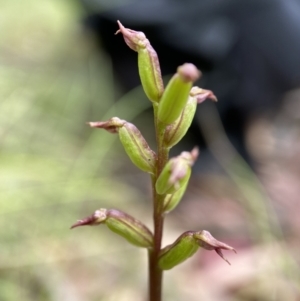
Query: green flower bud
133,142
177,130
148,63
176,93
183,248
172,200
176,172
121,223
207,241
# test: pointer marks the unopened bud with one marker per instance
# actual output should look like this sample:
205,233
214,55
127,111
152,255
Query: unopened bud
133,142
208,242
177,130
183,248
176,93
176,172
148,62
121,223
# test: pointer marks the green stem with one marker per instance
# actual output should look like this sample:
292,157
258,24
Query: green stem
155,273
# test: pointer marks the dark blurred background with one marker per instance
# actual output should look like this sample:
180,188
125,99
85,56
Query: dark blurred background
248,51
61,66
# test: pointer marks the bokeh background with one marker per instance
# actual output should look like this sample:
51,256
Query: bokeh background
60,68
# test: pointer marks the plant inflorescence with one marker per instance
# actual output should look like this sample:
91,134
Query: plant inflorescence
174,109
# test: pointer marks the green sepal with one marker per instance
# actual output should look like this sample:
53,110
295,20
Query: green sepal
150,74
130,228
172,200
137,148
177,130
133,142
183,248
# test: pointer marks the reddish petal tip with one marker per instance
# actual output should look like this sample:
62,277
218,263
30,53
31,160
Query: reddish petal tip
219,252
93,124
120,27
84,222
77,224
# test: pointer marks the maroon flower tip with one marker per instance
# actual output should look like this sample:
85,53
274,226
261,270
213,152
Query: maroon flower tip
207,94
190,157
208,242
104,125
195,153
121,27
202,94
112,125
134,39
96,124
219,252
84,222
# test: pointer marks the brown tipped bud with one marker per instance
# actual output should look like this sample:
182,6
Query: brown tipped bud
133,142
208,242
176,94
176,173
121,223
148,63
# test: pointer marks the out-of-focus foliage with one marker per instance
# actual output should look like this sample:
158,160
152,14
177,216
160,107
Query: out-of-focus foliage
53,166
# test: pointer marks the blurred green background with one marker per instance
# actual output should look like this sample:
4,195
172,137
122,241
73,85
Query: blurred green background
55,169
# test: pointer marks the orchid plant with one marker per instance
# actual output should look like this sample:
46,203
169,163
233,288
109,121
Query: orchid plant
174,109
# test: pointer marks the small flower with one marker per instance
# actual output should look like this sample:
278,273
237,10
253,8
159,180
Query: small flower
121,223
135,145
186,245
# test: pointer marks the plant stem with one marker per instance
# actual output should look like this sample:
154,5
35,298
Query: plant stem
155,273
